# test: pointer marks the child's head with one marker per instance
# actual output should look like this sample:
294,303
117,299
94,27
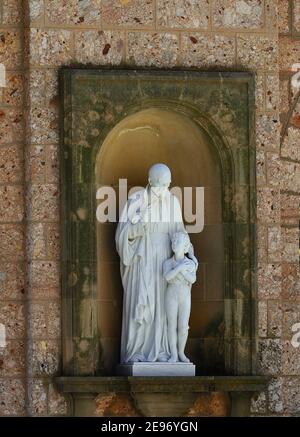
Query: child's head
181,242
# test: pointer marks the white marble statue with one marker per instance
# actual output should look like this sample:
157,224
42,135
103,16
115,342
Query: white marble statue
143,239
180,273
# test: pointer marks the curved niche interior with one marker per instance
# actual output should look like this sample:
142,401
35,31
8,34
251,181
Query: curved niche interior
132,146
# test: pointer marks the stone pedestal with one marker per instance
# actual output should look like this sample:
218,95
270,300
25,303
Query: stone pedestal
156,369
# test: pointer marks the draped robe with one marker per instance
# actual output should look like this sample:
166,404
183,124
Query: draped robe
143,246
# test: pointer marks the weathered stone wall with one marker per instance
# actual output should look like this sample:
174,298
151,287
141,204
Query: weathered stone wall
280,293
12,235
36,37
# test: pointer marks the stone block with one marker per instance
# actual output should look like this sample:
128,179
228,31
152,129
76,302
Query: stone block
12,12
12,359
290,146
275,404
11,126
38,397
202,50
290,176
290,359
44,274
53,241
50,47
290,244
36,9
291,316
44,358
259,90
36,164
269,281
272,92
284,16
284,90
262,242
99,47
44,201
273,169
153,49
11,242
270,356
272,16
130,13
11,168
291,395
296,15
235,14
192,14
289,53
38,320
36,241
12,280
268,132
43,87
274,244
12,397
74,12
268,206
291,281
256,52
44,125
274,319
290,214
261,169
10,48
262,316
12,316
52,164
54,320
13,93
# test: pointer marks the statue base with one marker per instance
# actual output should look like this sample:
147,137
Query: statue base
156,369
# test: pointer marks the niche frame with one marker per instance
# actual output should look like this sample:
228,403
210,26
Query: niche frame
222,103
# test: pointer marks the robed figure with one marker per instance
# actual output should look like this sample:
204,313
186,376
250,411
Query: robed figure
143,239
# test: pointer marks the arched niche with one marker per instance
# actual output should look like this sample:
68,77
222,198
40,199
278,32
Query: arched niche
192,147
216,111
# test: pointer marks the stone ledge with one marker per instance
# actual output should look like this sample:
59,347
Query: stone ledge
153,384
164,396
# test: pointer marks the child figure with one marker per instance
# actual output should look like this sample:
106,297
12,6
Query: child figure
180,273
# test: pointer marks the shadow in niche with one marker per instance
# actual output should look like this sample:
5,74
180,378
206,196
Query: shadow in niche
138,141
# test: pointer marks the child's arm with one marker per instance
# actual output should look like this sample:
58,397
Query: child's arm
190,275
170,274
